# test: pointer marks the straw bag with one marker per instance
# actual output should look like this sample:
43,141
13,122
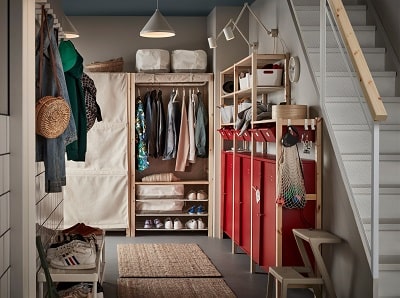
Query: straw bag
52,112
290,184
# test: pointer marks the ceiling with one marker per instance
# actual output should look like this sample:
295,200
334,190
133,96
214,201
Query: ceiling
145,7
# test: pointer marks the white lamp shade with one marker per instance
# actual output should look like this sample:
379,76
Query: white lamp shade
212,43
228,33
157,27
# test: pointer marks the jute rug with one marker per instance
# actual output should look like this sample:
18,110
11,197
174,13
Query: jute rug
173,287
164,260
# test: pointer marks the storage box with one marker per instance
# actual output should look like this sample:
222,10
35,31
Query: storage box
269,77
152,61
188,61
265,78
226,114
175,191
289,111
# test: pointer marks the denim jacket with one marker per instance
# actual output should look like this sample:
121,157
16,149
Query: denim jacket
52,151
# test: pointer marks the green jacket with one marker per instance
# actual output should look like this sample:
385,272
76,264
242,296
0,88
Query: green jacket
73,68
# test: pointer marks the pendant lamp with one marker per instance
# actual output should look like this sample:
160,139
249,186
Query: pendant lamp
157,26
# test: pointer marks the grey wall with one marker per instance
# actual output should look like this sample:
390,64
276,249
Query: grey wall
102,37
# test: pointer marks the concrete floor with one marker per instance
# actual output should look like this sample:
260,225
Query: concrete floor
235,268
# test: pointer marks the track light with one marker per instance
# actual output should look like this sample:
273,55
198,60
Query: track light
232,25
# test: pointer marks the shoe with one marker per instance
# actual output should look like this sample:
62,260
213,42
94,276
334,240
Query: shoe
191,195
168,224
200,224
202,195
177,224
191,224
53,252
200,210
78,257
192,210
84,230
158,223
148,224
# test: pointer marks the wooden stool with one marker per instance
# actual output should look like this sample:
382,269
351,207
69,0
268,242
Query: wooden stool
288,277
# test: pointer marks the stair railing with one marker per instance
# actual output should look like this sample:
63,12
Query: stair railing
371,96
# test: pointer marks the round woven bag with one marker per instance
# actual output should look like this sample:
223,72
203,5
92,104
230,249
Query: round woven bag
52,116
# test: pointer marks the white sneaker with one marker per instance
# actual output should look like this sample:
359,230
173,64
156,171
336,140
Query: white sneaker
78,257
191,224
177,224
200,224
202,195
158,223
52,253
191,195
168,224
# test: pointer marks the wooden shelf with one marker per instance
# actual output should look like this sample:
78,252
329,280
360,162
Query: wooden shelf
186,182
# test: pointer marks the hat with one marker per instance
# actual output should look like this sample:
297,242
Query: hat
228,87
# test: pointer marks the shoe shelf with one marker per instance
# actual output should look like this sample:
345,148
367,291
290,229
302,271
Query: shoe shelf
195,182
170,214
171,230
78,275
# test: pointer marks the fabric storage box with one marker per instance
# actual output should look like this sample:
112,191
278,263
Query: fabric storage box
159,206
226,114
175,191
152,61
188,61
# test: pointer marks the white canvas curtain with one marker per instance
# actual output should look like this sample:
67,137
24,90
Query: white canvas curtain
97,189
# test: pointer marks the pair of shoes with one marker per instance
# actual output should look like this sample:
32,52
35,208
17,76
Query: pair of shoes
194,224
59,249
80,290
76,256
197,210
168,224
193,195
156,223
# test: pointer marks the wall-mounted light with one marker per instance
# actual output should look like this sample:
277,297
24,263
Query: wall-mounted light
68,28
157,26
231,26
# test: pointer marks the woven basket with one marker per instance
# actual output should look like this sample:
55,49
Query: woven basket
52,116
113,65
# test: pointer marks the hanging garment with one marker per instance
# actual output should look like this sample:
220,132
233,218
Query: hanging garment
160,144
172,127
183,145
52,151
142,162
93,111
73,68
191,125
201,128
151,122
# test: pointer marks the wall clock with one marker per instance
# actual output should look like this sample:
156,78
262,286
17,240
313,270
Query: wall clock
294,69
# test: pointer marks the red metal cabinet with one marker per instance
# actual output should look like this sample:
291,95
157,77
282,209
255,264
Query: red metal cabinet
227,193
243,208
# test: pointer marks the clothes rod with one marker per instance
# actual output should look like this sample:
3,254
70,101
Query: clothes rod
171,84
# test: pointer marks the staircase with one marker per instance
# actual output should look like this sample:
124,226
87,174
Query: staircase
353,135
